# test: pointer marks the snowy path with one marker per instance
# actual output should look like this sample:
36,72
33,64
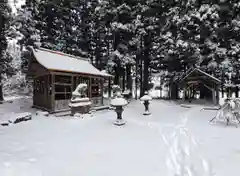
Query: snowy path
79,147
50,146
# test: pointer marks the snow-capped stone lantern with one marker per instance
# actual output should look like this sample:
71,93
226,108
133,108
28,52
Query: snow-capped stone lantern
119,102
80,103
126,94
116,89
146,101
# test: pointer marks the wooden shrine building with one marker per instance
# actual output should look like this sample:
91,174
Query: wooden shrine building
196,81
56,75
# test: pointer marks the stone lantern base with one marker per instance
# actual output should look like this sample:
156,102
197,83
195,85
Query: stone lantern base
119,122
147,113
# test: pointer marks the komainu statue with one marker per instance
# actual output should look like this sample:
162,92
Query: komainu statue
80,91
80,103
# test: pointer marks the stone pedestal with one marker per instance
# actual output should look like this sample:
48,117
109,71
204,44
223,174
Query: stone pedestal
80,105
119,121
146,105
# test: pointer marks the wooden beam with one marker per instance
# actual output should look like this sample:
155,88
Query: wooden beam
42,108
56,72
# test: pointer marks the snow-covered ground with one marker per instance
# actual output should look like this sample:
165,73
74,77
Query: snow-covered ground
47,146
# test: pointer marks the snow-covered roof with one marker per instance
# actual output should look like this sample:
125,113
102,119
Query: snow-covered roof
202,72
58,61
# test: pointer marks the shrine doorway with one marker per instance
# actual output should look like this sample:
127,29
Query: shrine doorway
199,85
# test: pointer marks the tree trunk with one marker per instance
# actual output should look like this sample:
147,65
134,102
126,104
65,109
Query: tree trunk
237,91
129,77
229,92
222,89
117,67
109,87
123,79
116,77
174,91
147,42
202,92
97,52
136,76
1,91
141,79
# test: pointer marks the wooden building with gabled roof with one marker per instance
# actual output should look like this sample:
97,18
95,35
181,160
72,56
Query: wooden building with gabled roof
56,75
197,80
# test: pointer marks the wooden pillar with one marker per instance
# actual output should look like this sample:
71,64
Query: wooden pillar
214,96
34,91
202,91
217,94
90,87
45,88
48,91
184,93
53,93
109,87
72,83
37,86
101,87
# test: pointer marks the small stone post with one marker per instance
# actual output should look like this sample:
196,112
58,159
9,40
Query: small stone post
146,101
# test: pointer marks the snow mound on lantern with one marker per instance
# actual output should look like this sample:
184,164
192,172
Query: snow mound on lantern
146,98
119,102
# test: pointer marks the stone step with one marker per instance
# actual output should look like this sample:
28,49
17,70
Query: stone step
62,114
98,108
212,108
68,112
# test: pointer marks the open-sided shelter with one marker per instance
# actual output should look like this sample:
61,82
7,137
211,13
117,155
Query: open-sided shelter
198,80
56,75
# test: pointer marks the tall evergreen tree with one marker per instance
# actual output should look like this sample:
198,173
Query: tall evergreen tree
5,13
56,24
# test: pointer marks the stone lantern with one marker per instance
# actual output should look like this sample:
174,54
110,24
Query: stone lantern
126,94
116,89
146,101
80,103
119,102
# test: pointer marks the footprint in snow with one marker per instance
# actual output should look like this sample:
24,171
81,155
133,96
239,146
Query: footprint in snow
32,160
7,164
